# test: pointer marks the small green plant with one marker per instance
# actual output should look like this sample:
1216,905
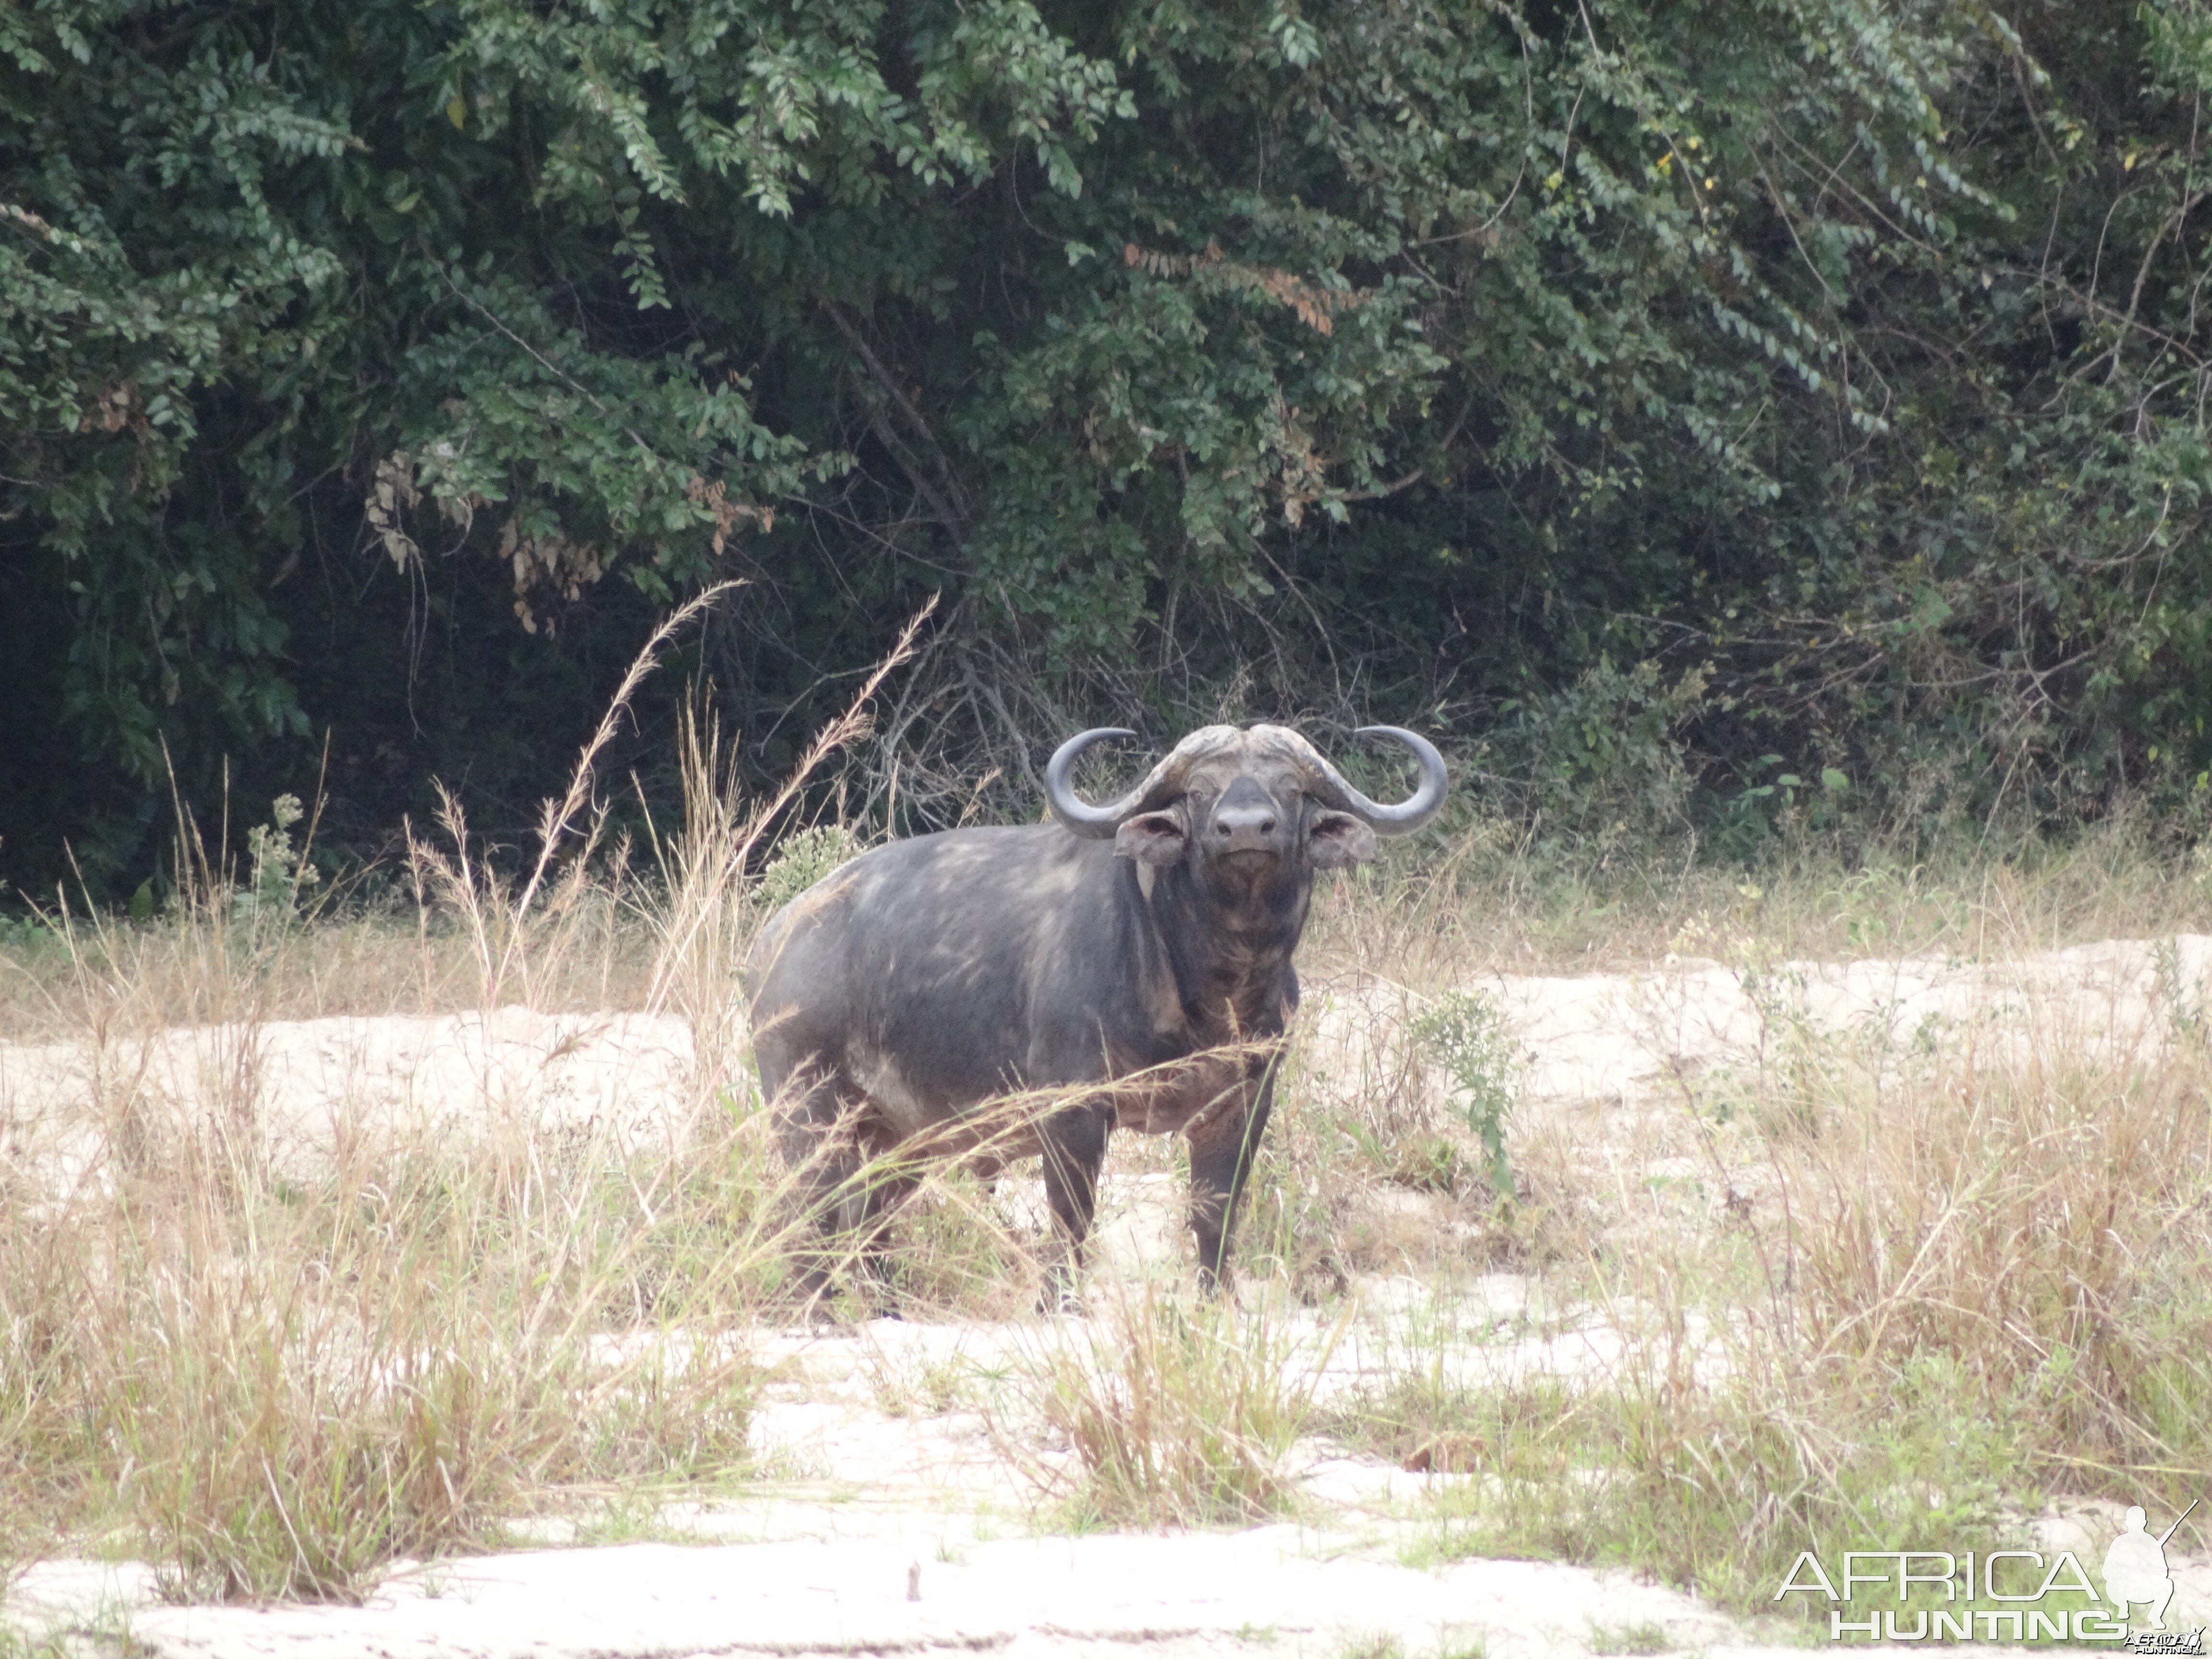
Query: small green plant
1468,1035
1646,1637
31,931
280,871
1429,1163
803,858
1423,1419
2184,1001
916,1387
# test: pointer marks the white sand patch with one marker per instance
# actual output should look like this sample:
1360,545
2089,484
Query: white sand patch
302,1089
1278,1590
1622,1038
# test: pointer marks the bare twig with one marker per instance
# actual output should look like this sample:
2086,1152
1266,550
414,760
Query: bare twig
953,512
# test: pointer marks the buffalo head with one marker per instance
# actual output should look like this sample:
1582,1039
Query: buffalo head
1258,798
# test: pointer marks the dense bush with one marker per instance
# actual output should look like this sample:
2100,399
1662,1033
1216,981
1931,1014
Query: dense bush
1677,400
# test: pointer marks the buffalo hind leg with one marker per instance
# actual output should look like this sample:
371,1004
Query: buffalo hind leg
1222,1148
1074,1152
842,1195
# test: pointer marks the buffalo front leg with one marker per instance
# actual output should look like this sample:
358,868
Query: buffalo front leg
1074,1152
884,1193
1223,1144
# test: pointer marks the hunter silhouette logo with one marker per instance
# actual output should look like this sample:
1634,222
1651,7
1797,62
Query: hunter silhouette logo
2134,1567
2010,1596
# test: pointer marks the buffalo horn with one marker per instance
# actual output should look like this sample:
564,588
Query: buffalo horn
1094,822
1162,784
1408,815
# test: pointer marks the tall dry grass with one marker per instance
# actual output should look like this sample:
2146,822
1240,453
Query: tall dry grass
276,1376
1163,1409
272,1375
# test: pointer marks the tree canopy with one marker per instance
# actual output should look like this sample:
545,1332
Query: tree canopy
1733,393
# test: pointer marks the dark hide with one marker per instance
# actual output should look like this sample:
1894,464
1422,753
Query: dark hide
907,990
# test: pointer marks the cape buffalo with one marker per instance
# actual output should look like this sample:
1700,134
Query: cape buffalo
1133,959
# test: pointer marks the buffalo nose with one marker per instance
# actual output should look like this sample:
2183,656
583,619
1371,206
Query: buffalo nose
1244,828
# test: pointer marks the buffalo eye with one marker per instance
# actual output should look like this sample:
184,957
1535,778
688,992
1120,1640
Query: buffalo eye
1339,838
1151,838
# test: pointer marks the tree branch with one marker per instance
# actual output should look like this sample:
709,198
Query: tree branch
957,518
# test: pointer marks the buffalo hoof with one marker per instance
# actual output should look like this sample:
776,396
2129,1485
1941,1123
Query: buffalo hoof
1059,1295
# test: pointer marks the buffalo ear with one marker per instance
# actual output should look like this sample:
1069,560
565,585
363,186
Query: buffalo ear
1151,838
1339,838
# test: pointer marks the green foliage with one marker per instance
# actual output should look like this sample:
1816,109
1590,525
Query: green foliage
801,859
279,871
1652,391
29,935
1718,1491
1468,1035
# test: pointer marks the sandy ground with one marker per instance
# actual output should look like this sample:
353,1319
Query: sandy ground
315,1081
885,1528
